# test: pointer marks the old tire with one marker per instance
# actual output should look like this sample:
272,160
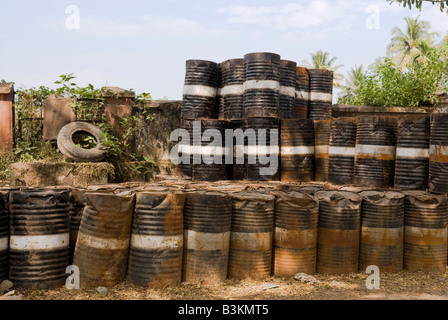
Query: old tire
69,149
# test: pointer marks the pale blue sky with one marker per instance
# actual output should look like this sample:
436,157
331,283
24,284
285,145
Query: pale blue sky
144,44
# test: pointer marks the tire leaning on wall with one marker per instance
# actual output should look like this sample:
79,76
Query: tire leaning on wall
69,149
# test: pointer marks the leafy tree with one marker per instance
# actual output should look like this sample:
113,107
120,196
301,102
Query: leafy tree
443,4
354,77
321,60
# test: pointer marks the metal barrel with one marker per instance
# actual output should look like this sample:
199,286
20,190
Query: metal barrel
287,88
301,101
155,254
77,204
425,232
233,90
297,150
412,153
261,85
199,92
262,148
239,165
341,151
251,237
339,232
321,94
4,235
438,153
382,228
207,221
322,129
375,151
102,246
39,238
222,75
186,150
295,239
209,161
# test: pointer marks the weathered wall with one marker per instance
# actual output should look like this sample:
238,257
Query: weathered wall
341,110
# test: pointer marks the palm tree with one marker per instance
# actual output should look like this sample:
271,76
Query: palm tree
354,77
321,60
406,44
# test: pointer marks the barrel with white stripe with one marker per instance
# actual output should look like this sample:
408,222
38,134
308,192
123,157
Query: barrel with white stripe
412,154
77,204
339,232
233,90
207,220
321,94
155,254
261,85
382,228
287,88
425,231
375,151
238,169
341,151
4,235
39,251
199,92
438,153
262,149
301,101
222,74
102,246
209,161
185,168
297,150
322,129
295,239
251,238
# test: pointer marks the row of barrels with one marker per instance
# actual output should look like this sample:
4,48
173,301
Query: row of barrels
259,85
163,236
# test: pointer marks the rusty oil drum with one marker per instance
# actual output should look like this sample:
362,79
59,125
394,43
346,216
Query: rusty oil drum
222,72
39,238
382,228
4,235
295,239
297,150
287,88
300,105
322,130
186,150
251,238
339,232
412,154
341,151
207,220
375,151
233,90
155,254
238,169
321,94
438,153
425,233
102,246
77,204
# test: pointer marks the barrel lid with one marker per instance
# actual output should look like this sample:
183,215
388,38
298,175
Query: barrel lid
337,195
381,197
301,198
423,198
253,196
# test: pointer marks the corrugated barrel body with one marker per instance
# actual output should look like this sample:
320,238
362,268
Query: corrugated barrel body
209,160
425,233
322,129
300,105
375,151
412,154
199,93
4,235
239,165
382,228
339,232
438,153
233,90
341,151
102,246
77,204
251,236
261,85
39,238
262,163
287,88
155,254
295,239
297,150
321,94
222,74
207,220
185,167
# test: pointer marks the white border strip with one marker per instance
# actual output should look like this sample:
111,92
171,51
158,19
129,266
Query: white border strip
288,91
412,153
157,242
204,241
298,150
438,150
321,96
261,84
234,89
300,94
102,243
261,150
4,243
251,241
372,150
341,151
321,149
44,242
197,90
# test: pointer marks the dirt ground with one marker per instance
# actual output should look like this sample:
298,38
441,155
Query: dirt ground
394,286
